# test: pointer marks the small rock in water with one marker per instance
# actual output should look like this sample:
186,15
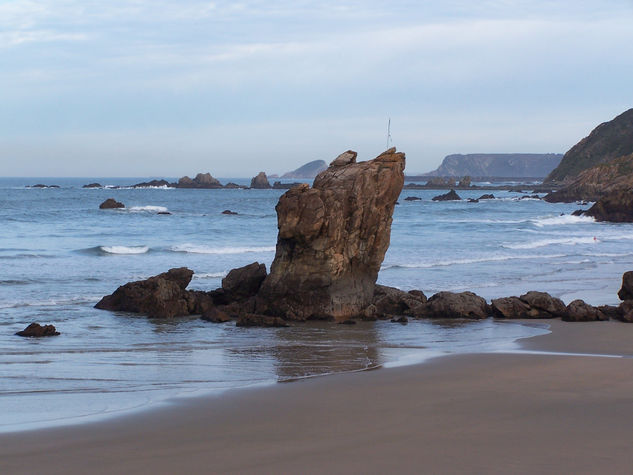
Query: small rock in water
450,196
35,330
111,203
163,212
401,319
93,185
347,322
412,198
473,200
215,315
487,197
228,211
256,320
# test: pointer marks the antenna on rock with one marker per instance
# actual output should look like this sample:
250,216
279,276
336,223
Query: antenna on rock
389,133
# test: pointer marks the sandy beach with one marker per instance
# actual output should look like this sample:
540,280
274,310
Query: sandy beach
488,413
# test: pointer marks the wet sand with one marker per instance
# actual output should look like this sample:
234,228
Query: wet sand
490,413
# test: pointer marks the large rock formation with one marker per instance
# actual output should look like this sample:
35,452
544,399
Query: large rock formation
516,165
332,239
606,142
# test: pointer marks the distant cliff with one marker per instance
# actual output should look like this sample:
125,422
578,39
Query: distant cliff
517,165
609,140
309,170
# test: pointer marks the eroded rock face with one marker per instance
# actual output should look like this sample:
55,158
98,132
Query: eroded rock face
616,207
332,239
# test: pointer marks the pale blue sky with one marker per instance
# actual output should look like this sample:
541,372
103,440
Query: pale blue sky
164,88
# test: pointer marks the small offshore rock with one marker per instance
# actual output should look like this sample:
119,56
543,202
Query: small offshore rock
450,196
93,185
473,200
228,211
153,184
487,197
412,198
111,203
256,320
401,319
163,212
260,182
35,330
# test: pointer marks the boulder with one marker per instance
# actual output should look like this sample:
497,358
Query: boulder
228,211
626,292
392,301
612,312
510,307
161,296
256,320
624,313
579,311
487,197
244,282
450,196
215,315
412,198
552,306
454,305
35,330
332,240
111,203
260,182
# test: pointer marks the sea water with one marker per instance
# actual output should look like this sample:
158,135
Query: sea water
59,254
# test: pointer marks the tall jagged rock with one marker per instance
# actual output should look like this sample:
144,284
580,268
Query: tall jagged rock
260,181
332,239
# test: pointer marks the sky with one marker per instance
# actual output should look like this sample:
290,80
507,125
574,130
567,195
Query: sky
162,88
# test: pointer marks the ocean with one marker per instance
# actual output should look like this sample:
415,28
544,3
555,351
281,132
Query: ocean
59,254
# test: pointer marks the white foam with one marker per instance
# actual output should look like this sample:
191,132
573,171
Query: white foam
125,249
563,220
50,302
153,209
202,249
444,263
552,242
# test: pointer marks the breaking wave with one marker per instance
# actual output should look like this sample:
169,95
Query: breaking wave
202,249
124,249
562,220
445,263
553,242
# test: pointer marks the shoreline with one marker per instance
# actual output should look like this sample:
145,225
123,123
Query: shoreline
481,413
